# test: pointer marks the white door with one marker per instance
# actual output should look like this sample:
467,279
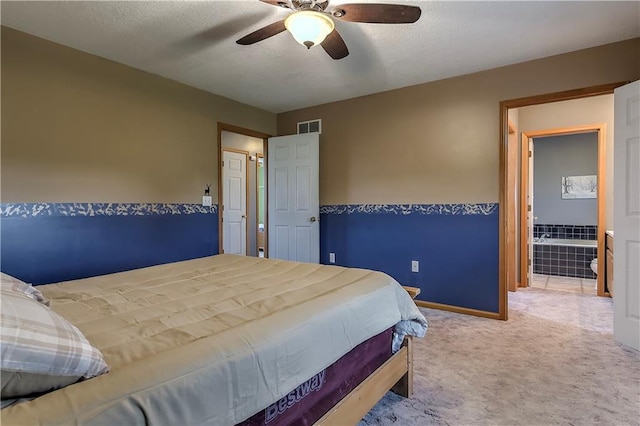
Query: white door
294,205
234,203
530,217
626,217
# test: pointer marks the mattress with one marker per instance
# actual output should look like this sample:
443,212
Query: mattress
312,399
213,340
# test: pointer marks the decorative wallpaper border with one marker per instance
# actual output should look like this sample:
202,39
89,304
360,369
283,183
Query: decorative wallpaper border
100,209
485,209
147,209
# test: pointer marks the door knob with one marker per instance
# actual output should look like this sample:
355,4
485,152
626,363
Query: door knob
313,219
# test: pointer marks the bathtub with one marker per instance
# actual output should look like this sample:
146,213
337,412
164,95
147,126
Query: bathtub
566,242
564,257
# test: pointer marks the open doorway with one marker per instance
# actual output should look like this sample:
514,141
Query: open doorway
242,195
563,226
510,245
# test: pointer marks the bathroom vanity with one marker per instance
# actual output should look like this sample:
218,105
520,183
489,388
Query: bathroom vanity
609,264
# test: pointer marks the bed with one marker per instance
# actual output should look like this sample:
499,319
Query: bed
223,339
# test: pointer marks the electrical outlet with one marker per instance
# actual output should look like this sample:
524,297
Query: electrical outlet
332,258
415,266
206,200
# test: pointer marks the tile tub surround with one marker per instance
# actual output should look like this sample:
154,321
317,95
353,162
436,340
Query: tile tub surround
566,261
51,242
571,232
456,246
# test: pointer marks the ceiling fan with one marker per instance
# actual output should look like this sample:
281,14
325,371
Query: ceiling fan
311,22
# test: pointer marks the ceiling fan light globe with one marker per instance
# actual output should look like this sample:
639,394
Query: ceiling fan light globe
308,27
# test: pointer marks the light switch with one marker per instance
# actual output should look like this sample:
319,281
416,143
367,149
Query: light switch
206,201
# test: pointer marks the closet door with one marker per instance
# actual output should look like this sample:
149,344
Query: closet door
294,200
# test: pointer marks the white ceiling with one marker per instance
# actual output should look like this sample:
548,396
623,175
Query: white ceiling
193,42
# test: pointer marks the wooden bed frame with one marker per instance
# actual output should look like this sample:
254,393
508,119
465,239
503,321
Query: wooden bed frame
395,374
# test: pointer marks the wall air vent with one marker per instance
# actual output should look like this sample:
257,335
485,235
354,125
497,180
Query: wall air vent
312,126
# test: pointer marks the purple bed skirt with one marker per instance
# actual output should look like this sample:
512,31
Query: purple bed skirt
307,403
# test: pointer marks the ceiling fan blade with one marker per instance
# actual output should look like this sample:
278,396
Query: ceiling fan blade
263,33
375,13
279,3
335,46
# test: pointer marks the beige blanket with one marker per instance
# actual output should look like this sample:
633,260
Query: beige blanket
212,340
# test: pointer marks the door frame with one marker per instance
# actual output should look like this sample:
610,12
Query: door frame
507,245
246,132
246,197
512,179
600,129
264,166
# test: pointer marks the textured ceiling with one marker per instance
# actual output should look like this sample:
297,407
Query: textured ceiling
194,42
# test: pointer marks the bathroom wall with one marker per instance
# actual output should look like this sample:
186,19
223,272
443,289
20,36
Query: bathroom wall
556,157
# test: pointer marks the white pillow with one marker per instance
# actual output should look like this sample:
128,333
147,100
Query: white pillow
41,350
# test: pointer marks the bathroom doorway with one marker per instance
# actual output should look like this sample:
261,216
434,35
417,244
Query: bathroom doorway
564,207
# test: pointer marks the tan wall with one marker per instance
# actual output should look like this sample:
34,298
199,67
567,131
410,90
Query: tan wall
438,142
79,128
595,110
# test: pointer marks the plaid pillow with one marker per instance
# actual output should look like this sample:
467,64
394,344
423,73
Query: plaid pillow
36,340
7,282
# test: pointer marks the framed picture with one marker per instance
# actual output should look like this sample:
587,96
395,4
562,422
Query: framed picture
574,187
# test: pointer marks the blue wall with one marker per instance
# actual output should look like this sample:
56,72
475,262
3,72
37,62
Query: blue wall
456,245
44,243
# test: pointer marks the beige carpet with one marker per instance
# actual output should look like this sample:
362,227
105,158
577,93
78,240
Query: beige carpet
553,363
